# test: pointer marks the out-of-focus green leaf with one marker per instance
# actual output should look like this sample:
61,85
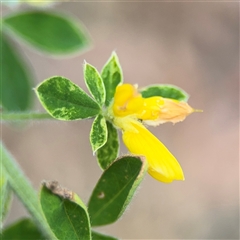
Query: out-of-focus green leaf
66,101
109,151
166,91
112,76
65,213
98,134
100,236
15,87
5,196
94,83
115,189
53,33
23,229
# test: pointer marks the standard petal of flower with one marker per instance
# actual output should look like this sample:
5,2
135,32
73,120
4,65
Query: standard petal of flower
162,164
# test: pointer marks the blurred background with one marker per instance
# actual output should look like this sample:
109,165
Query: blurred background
194,45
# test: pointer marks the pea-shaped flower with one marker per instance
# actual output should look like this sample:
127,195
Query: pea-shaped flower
130,112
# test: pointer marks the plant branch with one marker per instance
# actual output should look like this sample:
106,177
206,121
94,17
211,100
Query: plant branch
24,190
23,116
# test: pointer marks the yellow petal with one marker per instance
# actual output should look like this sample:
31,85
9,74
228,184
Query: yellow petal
162,164
127,101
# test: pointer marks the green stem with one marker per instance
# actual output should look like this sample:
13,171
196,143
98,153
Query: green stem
24,190
23,116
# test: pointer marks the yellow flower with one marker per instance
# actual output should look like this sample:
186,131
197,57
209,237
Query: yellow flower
130,111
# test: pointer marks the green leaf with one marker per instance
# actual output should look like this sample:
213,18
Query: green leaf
94,83
109,151
112,77
66,101
98,134
15,87
53,33
166,91
5,196
22,229
100,236
65,212
115,189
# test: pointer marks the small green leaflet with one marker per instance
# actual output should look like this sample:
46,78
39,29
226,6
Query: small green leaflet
65,213
109,151
98,134
64,100
112,76
115,189
166,91
94,83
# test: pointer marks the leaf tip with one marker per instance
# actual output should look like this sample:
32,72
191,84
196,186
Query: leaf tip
57,189
114,55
